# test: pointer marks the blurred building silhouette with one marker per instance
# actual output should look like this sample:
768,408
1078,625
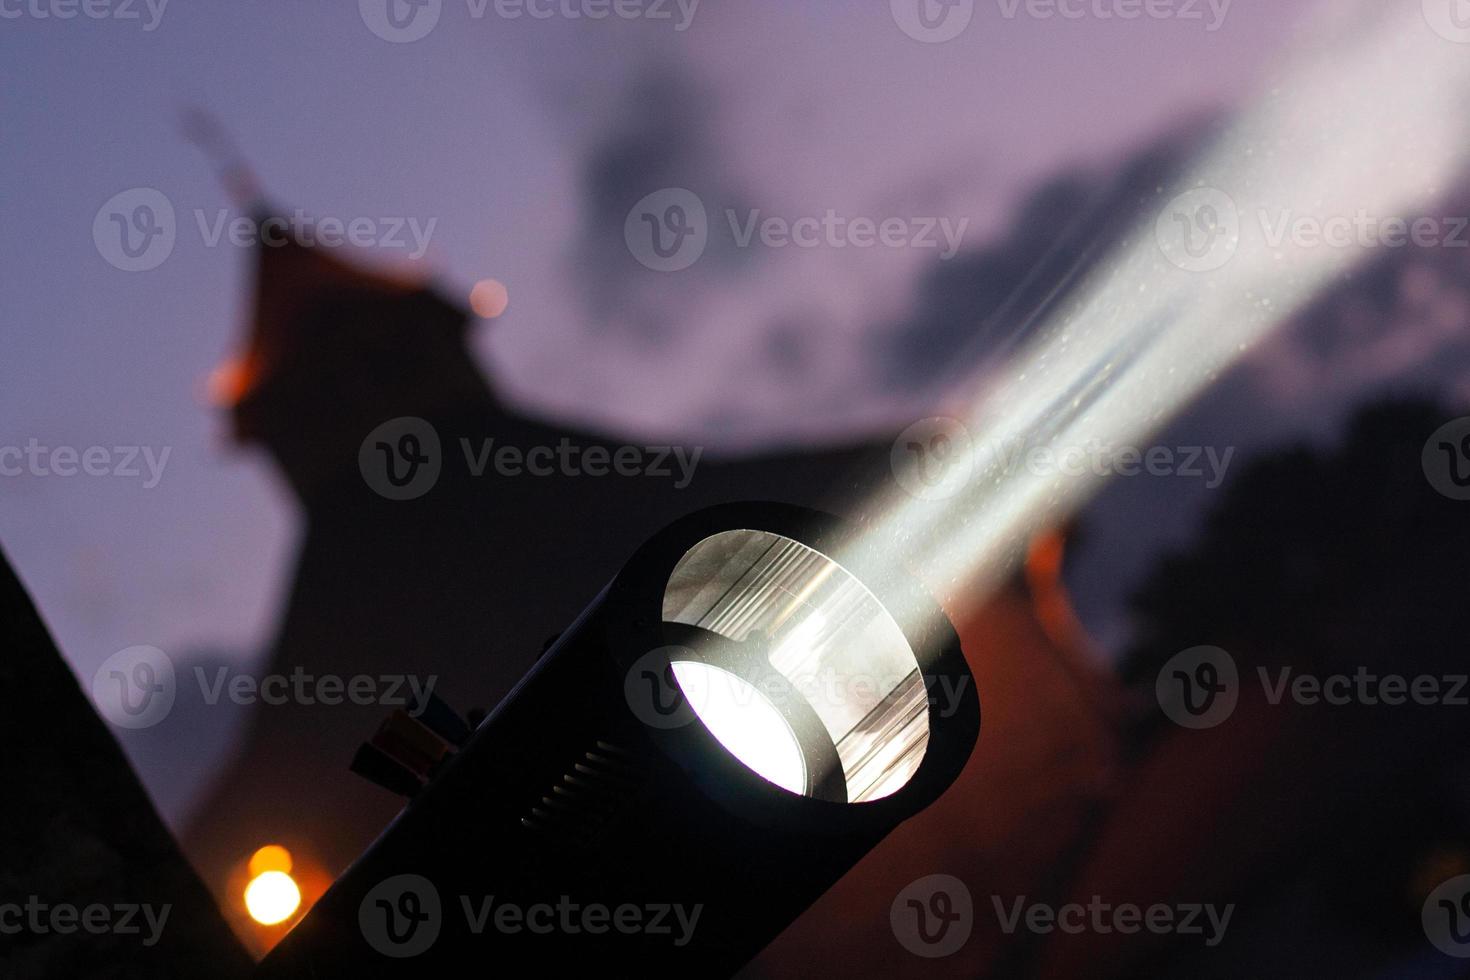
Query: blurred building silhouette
464,583
1321,827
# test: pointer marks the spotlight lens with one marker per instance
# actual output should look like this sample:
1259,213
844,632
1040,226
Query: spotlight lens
745,722
800,614
272,897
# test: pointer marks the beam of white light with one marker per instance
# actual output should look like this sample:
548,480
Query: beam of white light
1364,125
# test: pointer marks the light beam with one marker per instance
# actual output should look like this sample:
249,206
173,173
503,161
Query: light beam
1362,126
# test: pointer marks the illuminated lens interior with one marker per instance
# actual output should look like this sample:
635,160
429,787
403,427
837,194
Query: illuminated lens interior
821,629
745,722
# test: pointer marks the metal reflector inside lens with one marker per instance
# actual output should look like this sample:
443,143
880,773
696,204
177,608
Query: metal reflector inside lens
836,652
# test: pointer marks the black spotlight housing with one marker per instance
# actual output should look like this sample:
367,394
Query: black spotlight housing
605,804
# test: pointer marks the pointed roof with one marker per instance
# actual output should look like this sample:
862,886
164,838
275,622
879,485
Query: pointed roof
332,349
292,280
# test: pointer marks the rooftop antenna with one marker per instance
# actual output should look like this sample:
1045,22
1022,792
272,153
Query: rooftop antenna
202,128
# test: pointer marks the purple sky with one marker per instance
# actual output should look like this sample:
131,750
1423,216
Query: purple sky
485,127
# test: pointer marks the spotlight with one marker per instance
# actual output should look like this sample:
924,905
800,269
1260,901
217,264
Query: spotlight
728,728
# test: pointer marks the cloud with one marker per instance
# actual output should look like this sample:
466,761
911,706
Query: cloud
664,135
970,310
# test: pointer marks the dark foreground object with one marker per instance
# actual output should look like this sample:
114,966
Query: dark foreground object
91,882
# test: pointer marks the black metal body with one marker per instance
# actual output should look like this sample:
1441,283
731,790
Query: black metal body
564,799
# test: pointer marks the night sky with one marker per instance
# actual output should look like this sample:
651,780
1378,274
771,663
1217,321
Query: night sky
512,142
